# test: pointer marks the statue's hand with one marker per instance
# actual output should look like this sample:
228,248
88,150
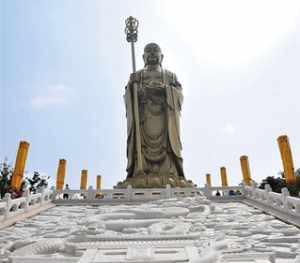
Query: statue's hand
134,78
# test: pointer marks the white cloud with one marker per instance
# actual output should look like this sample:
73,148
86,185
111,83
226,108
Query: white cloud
229,129
54,95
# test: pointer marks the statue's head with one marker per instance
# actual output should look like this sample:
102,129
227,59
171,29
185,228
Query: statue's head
152,54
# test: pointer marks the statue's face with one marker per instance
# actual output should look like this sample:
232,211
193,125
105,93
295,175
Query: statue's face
152,54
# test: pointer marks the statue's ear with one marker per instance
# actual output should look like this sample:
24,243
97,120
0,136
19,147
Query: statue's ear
162,58
144,59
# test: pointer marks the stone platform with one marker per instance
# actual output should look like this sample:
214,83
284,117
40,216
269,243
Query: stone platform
180,229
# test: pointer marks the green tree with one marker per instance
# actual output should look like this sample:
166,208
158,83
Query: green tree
5,177
278,183
37,182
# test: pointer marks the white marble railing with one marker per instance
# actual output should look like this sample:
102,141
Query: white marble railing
131,194
12,207
128,194
282,203
223,193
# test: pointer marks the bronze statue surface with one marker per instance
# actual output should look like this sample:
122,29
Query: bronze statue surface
153,125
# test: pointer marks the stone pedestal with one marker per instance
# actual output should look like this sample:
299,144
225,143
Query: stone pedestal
144,181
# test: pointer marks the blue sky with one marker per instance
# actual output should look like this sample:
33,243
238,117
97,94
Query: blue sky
64,66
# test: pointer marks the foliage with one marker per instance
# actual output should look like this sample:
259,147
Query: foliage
34,183
37,182
5,177
278,183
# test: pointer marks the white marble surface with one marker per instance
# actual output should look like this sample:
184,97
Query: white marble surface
171,230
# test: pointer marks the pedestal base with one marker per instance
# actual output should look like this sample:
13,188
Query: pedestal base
144,181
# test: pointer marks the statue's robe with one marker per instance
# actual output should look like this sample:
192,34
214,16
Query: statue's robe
159,113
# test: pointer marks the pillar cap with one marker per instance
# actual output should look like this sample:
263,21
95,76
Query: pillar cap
282,138
24,144
244,157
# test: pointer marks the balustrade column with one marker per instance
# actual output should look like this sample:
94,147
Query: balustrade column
83,180
287,159
208,180
61,172
245,170
98,182
17,177
224,176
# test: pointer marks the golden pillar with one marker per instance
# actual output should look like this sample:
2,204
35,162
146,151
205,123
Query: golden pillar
208,180
61,172
224,176
83,181
17,177
98,182
245,169
287,159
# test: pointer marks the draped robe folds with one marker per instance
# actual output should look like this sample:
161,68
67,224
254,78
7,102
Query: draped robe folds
159,113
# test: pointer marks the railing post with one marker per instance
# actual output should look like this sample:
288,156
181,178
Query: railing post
268,189
284,195
207,191
7,198
56,195
129,192
90,193
243,190
250,191
27,196
43,193
297,209
168,191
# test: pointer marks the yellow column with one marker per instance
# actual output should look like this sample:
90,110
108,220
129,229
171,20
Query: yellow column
98,183
224,176
18,173
287,159
83,181
61,172
208,180
245,169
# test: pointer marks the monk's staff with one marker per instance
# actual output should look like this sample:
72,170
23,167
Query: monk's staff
131,37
